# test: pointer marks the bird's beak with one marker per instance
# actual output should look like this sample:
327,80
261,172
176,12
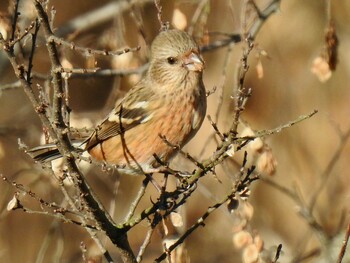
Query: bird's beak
193,62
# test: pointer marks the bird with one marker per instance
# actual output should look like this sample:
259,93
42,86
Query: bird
157,117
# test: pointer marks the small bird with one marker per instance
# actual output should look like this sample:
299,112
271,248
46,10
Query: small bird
167,105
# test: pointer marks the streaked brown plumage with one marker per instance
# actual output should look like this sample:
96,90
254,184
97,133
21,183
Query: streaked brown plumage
169,101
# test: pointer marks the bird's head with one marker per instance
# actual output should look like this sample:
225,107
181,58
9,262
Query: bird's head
175,57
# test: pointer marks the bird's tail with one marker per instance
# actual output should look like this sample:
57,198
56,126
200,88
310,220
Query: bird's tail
49,152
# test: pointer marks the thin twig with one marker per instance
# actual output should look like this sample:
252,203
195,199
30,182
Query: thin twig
200,222
219,102
163,25
14,22
327,172
345,243
145,243
46,241
185,154
90,51
252,32
264,133
263,15
110,72
20,36
216,130
303,210
14,85
81,73
57,216
307,256
278,253
137,200
83,219
240,94
221,154
181,194
31,55
98,16
197,15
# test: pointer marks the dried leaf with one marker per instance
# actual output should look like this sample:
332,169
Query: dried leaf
179,19
257,144
259,69
320,68
267,163
232,205
66,65
176,219
259,243
242,239
331,46
250,254
13,204
165,230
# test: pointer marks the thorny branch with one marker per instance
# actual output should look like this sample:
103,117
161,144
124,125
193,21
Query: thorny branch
14,23
163,26
101,216
241,184
59,132
89,51
31,57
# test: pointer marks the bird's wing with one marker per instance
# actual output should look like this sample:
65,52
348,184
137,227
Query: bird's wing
131,112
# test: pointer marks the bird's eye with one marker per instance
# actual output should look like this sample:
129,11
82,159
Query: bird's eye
171,60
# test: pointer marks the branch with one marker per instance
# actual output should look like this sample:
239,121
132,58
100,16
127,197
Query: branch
263,15
137,200
82,73
90,51
163,25
14,22
253,31
97,17
31,56
241,184
145,243
58,131
226,147
345,243
327,172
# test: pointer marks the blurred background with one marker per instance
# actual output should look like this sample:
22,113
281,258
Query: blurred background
304,164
